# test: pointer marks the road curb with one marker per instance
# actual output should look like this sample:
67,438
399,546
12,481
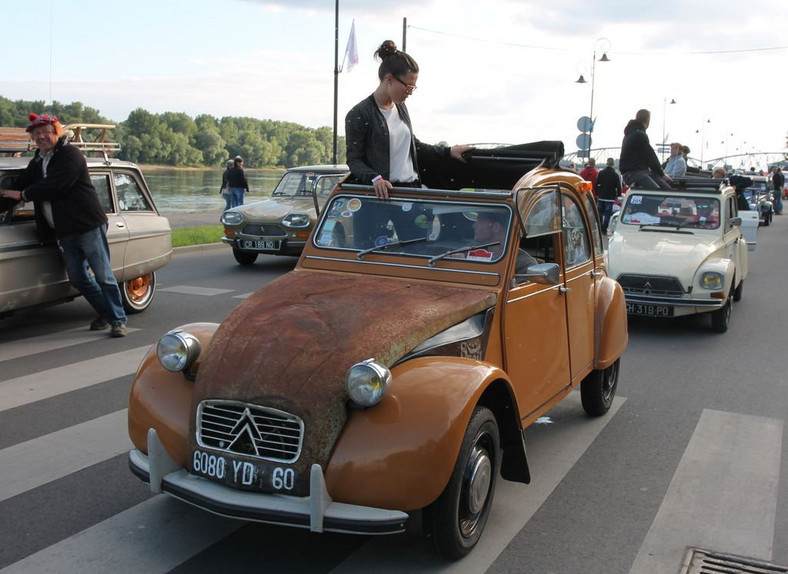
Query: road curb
201,247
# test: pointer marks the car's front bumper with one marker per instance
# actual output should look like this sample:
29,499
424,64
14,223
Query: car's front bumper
257,245
316,512
657,305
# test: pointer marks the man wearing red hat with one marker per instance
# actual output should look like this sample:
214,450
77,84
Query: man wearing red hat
58,177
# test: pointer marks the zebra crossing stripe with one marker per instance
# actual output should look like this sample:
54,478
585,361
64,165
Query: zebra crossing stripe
52,382
152,537
723,495
30,464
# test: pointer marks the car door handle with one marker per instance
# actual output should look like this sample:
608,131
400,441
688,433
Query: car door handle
120,224
595,273
562,289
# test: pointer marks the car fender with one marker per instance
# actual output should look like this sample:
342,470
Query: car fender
161,400
723,265
400,453
611,323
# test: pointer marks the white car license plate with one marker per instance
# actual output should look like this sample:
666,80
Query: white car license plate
270,245
265,477
649,310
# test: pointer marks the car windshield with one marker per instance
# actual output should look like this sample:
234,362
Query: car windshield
678,211
302,183
434,229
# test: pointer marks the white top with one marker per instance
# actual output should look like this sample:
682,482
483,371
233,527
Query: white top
400,163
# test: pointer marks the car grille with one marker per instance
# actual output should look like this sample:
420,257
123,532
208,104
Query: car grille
251,430
266,230
651,285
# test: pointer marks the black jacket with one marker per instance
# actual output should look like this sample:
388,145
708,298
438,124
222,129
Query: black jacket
237,178
367,141
76,208
608,184
636,151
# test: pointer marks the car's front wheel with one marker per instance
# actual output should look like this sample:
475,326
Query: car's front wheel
598,390
721,318
137,293
456,520
244,257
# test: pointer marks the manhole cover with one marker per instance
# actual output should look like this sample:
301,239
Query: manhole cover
698,561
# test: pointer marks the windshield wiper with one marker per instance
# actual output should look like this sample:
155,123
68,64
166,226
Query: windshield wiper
673,226
364,252
432,260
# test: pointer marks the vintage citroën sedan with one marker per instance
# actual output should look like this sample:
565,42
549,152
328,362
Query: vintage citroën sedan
397,367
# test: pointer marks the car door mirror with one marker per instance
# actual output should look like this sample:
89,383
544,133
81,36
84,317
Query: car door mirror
542,273
734,221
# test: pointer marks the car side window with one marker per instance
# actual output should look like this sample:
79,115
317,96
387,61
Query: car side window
596,229
130,196
101,184
542,224
576,248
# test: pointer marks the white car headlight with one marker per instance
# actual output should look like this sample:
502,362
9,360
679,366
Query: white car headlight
232,218
367,382
712,280
177,350
296,220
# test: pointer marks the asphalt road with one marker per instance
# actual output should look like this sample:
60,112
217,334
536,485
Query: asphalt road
691,455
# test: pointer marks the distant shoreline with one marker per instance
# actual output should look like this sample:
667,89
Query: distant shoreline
155,167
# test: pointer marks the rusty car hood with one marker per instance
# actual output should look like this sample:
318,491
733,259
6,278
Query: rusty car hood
290,344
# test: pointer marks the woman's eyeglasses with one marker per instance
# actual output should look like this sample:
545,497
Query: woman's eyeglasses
410,87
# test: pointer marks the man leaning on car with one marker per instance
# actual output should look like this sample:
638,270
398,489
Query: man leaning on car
57,179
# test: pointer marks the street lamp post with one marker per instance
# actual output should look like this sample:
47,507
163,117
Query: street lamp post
664,114
601,45
702,132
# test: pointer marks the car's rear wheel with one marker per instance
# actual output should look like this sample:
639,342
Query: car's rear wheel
598,390
721,318
137,293
456,520
244,257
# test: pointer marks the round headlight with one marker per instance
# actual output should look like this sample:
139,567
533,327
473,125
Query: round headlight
232,218
177,350
367,382
296,220
712,280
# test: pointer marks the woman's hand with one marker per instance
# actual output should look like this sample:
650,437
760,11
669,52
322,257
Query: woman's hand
458,150
382,187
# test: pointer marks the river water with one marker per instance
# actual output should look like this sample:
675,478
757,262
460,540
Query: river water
197,190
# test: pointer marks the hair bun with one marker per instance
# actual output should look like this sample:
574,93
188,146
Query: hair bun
386,49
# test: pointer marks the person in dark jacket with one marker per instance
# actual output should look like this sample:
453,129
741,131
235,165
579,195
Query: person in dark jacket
381,148
224,191
638,163
58,181
236,179
778,182
607,189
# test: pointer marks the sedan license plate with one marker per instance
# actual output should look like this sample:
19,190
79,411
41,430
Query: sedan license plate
244,475
268,245
649,310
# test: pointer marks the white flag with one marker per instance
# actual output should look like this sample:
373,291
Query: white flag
351,52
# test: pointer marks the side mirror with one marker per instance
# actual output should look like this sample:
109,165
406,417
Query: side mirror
734,221
542,273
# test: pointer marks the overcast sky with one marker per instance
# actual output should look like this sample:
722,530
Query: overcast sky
499,71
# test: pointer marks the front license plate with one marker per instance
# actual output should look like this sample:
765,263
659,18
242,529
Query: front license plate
271,245
242,474
649,310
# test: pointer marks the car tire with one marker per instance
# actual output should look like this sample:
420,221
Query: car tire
738,291
244,257
721,318
137,294
598,390
456,520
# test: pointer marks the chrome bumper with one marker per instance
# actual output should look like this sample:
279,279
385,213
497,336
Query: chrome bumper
317,512
672,301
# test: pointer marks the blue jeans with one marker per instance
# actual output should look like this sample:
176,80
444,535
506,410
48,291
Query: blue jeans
605,207
644,179
777,196
100,288
238,196
228,199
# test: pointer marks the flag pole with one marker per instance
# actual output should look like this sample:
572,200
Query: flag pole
336,77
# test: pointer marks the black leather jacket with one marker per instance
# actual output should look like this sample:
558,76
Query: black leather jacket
367,141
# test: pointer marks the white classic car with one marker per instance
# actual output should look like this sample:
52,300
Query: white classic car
681,251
